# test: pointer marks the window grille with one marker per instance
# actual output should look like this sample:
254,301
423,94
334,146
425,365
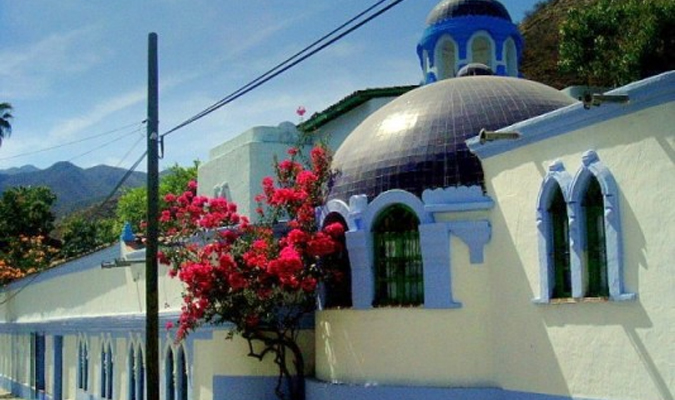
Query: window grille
596,254
561,247
399,278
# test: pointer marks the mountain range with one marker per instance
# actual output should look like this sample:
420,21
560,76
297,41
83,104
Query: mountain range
73,186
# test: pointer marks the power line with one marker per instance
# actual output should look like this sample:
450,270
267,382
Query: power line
74,141
288,63
106,144
120,183
132,148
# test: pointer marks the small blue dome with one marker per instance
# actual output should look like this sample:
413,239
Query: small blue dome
447,9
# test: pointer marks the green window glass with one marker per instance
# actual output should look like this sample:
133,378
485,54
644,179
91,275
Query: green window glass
399,279
560,246
596,254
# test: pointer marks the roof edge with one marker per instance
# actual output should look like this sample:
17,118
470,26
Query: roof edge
350,102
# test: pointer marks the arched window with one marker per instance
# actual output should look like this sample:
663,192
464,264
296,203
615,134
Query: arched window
597,231
131,368
136,373
107,372
511,57
481,50
168,376
338,289
399,278
181,375
596,256
557,209
140,374
580,253
445,57
82,365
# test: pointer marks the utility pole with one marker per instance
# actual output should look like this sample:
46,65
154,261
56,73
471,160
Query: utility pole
151,302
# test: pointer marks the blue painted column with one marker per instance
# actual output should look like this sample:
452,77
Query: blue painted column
435,242
359,244
57,388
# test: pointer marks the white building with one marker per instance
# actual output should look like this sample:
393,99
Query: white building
531,262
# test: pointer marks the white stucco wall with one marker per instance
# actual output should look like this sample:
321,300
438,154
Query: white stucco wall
617,350
242,162
413,345
92,292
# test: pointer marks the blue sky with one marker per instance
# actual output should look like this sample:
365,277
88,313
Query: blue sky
77,69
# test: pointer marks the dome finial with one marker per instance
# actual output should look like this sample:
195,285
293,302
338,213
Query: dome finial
447,9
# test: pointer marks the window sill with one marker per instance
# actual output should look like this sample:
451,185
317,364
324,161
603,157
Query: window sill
626,297
572,300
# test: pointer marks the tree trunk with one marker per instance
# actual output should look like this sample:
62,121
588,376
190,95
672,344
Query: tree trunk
278,343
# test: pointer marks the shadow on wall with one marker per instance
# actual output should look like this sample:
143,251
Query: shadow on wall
540,344
525,358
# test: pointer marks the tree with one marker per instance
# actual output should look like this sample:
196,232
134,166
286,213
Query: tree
611,43
133,205
26,210
81,234
26,220
260,277
5,116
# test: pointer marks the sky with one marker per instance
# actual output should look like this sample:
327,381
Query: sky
75,71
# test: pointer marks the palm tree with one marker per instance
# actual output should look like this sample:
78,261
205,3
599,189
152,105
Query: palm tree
5,116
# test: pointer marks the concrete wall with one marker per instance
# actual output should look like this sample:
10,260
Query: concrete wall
595,349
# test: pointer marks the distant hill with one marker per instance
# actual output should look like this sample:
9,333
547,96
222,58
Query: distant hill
19,170
74,187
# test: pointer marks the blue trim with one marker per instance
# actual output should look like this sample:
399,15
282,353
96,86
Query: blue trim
317,390
556,177
389,198
461,30
360,245
244,387
117,325
57,388
456,199
593,167
336,206
573,190
357,206
15,388
435,241
475,234
650,92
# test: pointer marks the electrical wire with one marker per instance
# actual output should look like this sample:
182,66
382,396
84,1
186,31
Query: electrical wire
105,144
120,183
132,148
288,63
74,141
270,74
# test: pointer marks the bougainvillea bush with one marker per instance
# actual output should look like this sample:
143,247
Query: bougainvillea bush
260,277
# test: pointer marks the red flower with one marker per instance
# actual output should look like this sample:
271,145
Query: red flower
335,230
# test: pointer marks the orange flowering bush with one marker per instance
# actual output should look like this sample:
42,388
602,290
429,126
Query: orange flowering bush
261,277
23,256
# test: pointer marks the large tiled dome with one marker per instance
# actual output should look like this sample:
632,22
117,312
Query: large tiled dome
447,9
417,141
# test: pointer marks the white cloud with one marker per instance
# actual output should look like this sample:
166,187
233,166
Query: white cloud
28,70
72,126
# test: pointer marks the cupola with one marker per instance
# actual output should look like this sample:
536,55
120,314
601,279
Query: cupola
461,32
